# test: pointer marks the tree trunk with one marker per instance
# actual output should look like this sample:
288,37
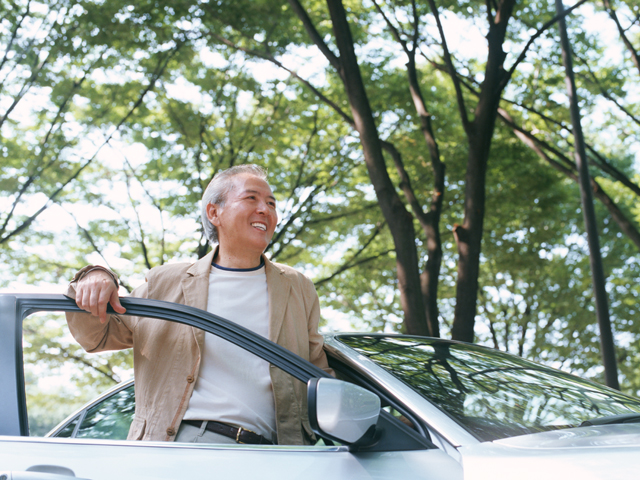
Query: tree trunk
400,221
597,270
479,133
468,238
431,221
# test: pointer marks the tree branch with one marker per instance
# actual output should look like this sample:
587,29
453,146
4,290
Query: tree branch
14,35
268,57
39,169
634,53
535,36
351,263
315,35
569,170
595,81
394,31
451,70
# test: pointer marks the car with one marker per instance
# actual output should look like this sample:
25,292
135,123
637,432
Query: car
421,408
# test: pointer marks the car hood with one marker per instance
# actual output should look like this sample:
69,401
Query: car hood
589,453
594,436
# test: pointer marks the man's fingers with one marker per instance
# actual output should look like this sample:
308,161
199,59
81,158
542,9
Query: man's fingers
102,312
103,301
115,302
79,297
94,302
95,292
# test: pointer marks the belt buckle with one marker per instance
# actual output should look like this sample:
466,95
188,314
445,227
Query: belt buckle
239,432
238,435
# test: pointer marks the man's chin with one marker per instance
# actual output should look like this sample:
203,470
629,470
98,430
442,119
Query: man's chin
258,246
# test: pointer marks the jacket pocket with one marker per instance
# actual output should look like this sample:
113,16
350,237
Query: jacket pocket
137,429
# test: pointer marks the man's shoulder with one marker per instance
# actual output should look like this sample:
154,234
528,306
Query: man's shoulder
291,273
164,281
169,272
285,269
169,269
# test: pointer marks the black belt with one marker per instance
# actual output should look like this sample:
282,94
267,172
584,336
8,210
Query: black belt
239,434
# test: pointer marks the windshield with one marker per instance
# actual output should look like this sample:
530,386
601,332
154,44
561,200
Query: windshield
492,394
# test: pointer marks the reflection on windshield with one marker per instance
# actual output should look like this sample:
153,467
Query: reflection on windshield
491,394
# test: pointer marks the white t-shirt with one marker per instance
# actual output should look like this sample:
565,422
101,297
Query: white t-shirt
234,386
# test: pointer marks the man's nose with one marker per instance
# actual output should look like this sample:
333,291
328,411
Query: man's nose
262,207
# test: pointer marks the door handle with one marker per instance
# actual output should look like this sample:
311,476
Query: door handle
13,475
41,472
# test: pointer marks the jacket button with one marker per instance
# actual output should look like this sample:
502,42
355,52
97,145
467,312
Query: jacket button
171,432
190,379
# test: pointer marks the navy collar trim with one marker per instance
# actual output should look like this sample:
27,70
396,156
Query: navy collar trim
226,269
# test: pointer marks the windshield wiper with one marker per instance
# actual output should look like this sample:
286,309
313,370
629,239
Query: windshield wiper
613,419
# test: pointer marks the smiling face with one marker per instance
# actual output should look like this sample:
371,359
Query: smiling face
246,221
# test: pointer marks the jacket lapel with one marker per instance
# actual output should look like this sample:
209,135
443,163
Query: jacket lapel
278,287
195,285
195,289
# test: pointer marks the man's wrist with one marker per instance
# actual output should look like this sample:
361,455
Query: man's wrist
83,272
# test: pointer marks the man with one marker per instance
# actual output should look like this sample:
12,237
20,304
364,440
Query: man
192,386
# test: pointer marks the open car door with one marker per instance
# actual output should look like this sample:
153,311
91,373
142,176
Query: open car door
385,448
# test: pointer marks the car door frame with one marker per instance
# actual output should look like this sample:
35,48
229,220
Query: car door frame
394,435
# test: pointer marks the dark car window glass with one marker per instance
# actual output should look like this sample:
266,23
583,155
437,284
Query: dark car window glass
492,394
68,429
111,418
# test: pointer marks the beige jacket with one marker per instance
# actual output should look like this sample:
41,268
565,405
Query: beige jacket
167,354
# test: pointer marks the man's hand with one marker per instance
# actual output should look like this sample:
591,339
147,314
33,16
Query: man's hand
95,291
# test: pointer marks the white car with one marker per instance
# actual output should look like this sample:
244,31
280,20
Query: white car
422,408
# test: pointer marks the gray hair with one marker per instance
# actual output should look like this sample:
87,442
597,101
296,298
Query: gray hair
218,190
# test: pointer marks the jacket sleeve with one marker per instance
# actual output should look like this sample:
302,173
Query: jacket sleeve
115,334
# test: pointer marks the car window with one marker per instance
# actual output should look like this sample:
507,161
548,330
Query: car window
111,418
68,429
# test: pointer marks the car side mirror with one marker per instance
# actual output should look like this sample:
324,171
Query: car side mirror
342,411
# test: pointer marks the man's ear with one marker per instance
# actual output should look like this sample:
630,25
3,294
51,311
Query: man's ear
213,212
